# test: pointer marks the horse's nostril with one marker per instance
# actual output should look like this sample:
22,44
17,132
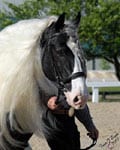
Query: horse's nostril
76,99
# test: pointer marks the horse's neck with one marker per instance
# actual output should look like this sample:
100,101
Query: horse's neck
46,86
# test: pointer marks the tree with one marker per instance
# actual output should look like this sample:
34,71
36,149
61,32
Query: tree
39,8
28,9
4,20
99,29
105,65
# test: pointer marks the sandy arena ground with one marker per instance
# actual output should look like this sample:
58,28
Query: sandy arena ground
107,119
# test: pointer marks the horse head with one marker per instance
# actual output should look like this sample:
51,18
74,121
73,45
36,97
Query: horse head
63,61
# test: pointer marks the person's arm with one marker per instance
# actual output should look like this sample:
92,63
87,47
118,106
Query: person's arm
83,115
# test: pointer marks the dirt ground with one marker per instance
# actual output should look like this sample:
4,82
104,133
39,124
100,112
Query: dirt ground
107,119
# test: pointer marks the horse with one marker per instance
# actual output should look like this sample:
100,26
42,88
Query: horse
37,58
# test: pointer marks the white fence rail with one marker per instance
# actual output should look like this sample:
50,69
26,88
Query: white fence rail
97,79
95,88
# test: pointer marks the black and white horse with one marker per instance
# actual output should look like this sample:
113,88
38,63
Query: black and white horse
36,56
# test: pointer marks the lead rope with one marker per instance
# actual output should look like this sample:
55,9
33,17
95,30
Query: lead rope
89,147
62,89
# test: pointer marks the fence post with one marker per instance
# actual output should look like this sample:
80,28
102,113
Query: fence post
95,94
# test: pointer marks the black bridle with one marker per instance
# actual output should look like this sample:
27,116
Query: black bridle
60,81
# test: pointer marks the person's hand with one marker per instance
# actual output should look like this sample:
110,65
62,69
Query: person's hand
93,134
52,103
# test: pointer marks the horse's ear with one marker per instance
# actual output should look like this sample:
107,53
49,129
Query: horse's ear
59,24
76,21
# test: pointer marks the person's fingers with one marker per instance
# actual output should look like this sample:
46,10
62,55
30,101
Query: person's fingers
51,103
94,134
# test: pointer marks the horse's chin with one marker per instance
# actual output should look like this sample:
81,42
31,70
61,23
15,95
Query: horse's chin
77,107
82,107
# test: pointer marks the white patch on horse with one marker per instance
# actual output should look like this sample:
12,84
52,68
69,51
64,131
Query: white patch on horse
79,88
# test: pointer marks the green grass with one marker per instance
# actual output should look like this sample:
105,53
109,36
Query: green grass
110,89
109,98
106,89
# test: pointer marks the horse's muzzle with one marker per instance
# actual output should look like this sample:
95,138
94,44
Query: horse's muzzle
76,100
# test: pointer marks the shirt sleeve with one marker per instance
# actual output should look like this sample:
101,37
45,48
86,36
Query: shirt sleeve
83,115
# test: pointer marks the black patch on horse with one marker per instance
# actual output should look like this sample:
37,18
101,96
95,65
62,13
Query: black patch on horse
55,52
